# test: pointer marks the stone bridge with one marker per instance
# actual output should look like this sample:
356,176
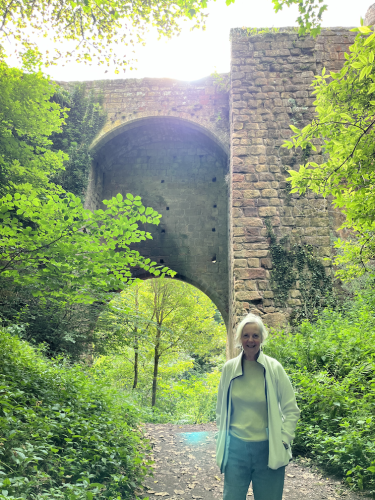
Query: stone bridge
210,161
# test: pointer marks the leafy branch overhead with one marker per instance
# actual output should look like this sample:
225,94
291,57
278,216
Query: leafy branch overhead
311,13
61,250
89,29
99,30
343,131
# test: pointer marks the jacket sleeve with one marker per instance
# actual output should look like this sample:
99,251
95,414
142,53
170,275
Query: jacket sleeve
220,397
288,405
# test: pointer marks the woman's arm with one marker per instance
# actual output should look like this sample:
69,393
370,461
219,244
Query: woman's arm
288,405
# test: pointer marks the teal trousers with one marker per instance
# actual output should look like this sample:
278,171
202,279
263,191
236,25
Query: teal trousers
247,463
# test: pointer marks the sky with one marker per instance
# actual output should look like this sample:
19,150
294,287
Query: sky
196,54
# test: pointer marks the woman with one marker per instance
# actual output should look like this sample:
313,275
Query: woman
256,415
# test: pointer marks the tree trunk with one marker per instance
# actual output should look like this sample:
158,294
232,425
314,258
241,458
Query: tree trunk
156,367
136,345
135,382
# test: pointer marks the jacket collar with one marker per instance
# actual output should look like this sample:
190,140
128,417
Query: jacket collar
238,371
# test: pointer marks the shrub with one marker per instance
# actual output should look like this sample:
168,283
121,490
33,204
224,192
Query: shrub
63,436
332,364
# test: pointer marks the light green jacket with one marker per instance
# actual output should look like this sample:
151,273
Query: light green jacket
283,412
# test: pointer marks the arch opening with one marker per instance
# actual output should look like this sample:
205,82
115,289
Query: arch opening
180,172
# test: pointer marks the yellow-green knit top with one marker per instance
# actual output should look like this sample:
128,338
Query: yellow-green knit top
249,419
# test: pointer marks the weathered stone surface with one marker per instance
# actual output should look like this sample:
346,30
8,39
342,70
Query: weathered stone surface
251,273
250,296
275,320
266,263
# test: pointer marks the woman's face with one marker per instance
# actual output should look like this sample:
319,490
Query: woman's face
251,340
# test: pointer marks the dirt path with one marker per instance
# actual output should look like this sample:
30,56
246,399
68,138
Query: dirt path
185,468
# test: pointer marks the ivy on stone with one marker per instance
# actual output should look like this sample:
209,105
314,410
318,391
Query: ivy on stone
297,268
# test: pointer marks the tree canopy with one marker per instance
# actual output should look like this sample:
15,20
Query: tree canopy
83,30
160,317
28,118
87,31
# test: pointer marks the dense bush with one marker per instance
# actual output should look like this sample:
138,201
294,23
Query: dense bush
332,364
63,436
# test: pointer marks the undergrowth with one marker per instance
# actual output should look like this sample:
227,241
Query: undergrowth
62,435
331,363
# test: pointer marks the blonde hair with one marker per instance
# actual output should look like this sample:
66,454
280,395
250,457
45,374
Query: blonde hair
250,318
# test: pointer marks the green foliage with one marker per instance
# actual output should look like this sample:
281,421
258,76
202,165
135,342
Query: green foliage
311,12
185,393
88,31
194,399
247,32
28,117
85,118
343,131
62,327
332,367
221,81
160,318
298,264
63,435
61,250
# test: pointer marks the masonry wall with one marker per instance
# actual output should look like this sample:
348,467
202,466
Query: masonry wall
200,103
271,78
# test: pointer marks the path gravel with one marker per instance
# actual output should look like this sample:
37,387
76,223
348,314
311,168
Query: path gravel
185,468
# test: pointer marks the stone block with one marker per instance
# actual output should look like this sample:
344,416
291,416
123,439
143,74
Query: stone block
262,185
253,263
267,302
239,263
252,222
269,193
251,193
267,211
241,151
275,320
266,263
250,274
263,285
238,231
257,150
294,302
250,212
250,285
248,295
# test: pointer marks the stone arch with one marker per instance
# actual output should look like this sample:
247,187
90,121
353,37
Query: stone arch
113,129
178,168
